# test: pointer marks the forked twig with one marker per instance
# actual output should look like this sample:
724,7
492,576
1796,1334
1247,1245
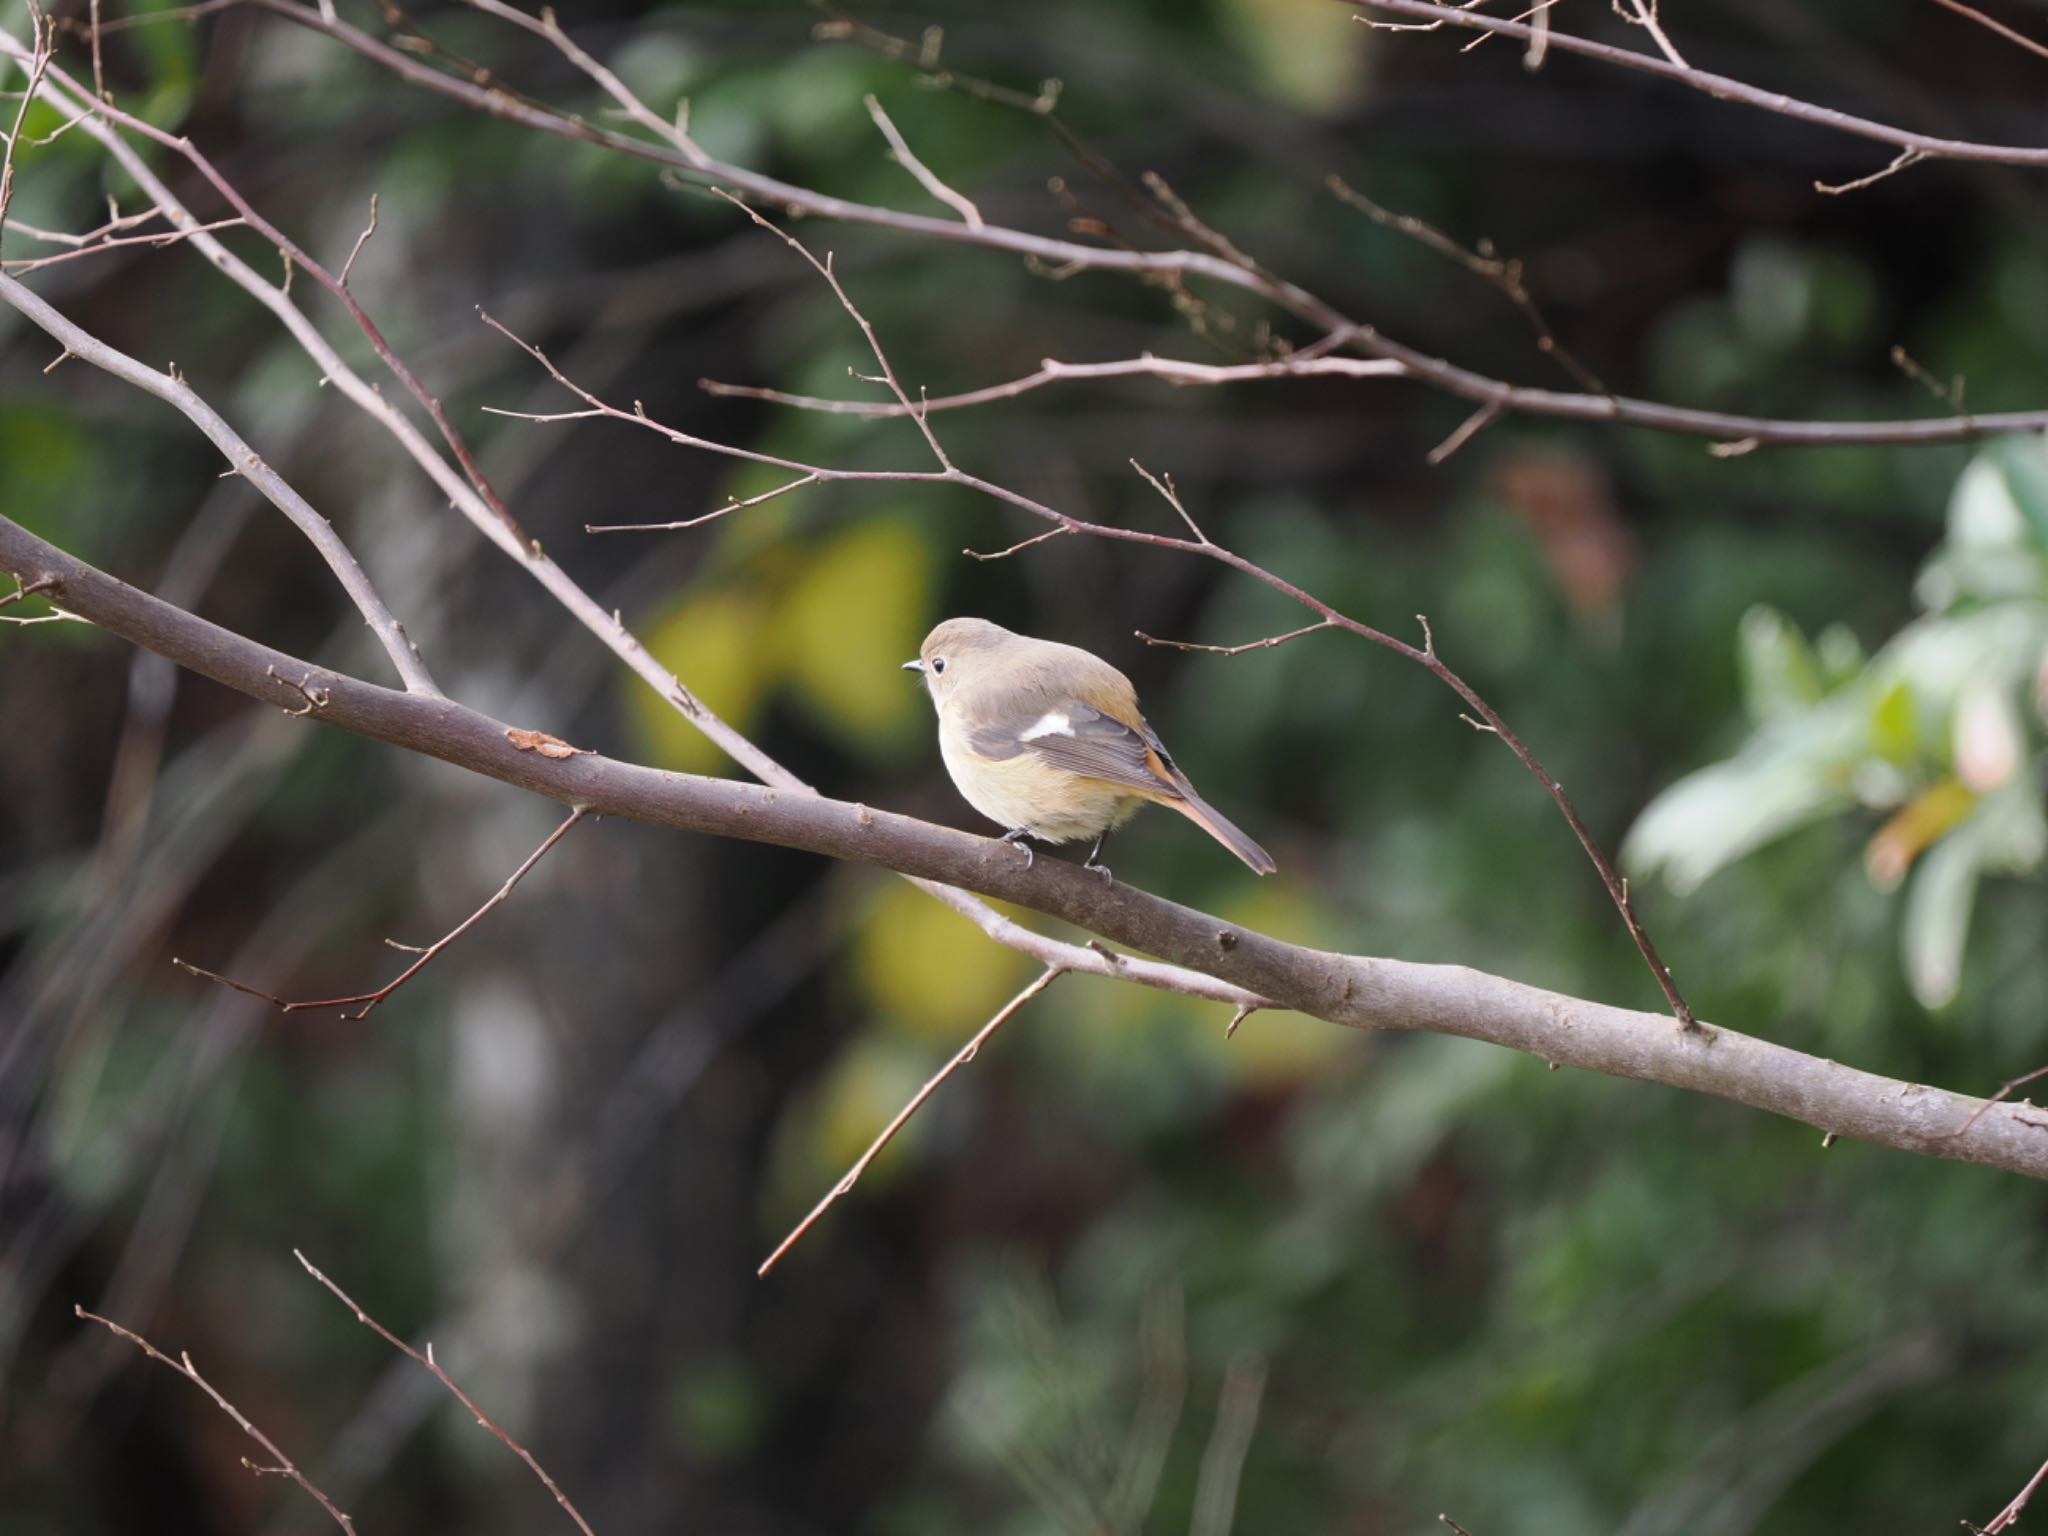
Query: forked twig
434,1367
969,214
366,1002
280,1465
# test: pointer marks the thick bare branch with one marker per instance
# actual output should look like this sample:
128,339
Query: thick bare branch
1343,989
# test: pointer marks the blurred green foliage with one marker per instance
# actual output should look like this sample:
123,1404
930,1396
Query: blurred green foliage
1941,730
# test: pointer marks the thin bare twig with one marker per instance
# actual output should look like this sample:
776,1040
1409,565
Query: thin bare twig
1504,274
1173,370
1237,650
1021,544
41,49
1467,429
1949,393
1643,13
433,1366
1721,87
366,1002
362,240
732,504
2009,1516
961,1057
20,264
1900,161
1992,24
1998,1098
185,148
969,214
1170,493
280,1464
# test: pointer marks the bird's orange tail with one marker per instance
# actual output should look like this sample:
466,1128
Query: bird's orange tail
1220,827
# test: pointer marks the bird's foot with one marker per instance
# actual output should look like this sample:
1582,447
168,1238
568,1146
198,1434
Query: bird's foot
1094,855
1017,835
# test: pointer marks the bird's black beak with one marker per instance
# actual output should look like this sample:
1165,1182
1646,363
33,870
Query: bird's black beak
913,666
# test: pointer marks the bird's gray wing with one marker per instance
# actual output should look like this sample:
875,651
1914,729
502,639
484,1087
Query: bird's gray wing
1065,733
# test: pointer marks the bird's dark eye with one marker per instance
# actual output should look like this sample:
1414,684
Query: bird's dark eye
938,663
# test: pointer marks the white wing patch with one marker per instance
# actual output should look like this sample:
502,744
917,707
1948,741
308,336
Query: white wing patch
1053,722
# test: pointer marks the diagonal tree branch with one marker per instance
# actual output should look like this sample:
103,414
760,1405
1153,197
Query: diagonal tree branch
1351,990
243,460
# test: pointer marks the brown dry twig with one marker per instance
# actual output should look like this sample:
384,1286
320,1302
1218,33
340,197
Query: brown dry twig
280,1464
1992,24
901,151
961,1057
366,1002
1237,650
41,50
1720,87
1298,365
2009,1516
1999,1097
1503,273
427,1359
1176,267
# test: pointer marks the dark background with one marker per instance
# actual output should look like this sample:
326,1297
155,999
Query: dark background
1544,1302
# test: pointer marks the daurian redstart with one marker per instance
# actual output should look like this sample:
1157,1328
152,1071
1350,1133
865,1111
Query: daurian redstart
1047,740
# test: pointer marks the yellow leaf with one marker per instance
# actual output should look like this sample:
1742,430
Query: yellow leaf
716,642
849,621
927,972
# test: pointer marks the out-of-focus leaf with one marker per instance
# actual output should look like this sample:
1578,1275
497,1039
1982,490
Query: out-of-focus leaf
2024,461
719,642
1991,551
1924,821
1308,53
1988,736
1894,723
922,971
1780,673
848,623
872,1079
1938,918
1792,774
1840,653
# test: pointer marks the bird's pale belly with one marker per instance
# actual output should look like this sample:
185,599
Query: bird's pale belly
1052,805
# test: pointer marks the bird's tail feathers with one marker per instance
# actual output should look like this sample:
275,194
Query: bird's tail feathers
1220,827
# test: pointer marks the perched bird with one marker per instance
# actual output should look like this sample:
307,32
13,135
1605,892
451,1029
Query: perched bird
1046,739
